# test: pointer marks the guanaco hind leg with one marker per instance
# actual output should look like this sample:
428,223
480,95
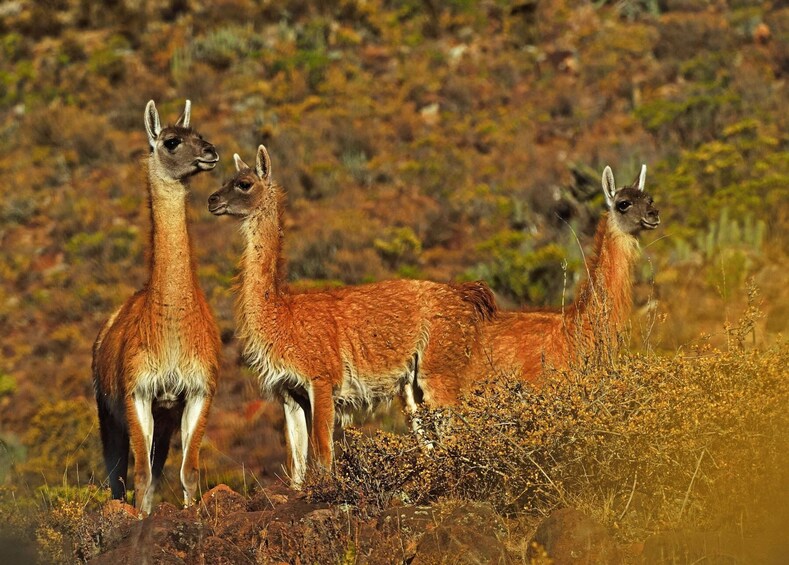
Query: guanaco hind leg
141,434
115,446
413,396
192,429
297,437
163,427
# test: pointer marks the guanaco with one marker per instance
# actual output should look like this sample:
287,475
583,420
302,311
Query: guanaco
523,343
156,359
332,351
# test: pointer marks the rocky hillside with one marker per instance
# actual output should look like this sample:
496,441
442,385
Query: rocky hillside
444,140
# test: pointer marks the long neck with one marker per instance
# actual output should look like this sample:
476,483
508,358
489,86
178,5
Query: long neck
262,273
604,300
172,282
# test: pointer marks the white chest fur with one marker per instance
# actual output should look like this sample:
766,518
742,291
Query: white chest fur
274,377
170,371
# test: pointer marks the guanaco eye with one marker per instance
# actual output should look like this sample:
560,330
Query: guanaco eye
623,206
244,185
172,143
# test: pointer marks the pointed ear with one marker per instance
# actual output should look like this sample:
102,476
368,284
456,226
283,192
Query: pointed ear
641,180
152,125
263,164
186,117
609,186
239,163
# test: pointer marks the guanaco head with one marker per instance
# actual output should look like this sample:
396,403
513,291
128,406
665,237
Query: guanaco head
631,208
249,189
177,152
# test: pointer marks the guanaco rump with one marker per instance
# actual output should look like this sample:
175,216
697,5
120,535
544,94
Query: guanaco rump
523,343
156,359
340,349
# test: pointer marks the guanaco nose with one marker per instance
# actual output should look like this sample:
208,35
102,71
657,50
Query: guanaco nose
653,215
213,199
209,153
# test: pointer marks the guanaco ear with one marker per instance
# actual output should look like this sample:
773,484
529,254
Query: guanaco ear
609,186
186,117
263,164
641,180
152,124
240,165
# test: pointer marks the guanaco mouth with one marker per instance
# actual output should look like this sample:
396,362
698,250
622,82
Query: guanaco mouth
206,164
219,210
649,225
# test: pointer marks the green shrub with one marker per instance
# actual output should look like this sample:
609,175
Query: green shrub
63,446
7,385
522,272
691,117
740,179
11,453
109,61
219,49
399,246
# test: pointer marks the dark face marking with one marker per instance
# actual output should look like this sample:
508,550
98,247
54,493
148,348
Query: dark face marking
172,143
184,152
241,195
634,211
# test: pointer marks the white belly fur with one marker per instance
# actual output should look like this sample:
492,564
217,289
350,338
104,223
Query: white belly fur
170,373
356,393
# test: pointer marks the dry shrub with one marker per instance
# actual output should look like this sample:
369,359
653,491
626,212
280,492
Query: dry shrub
63,445
59,524
646,444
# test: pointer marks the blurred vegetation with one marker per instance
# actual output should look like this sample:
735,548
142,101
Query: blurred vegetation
445,140
646,444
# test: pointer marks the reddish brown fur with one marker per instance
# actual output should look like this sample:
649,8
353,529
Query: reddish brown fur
165,329
523,343
324,343
373,328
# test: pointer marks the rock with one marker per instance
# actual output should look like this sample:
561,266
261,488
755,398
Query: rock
116,509
268,498
128,556
167,536
113,523
761,33
407,519
569,536
304,532
166,510
221,501
218,551
243,530
469,533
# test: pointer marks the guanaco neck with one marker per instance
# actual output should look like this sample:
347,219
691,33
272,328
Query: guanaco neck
262,274
604,300
172,286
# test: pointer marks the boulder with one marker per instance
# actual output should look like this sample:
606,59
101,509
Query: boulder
469,533
221,501
569,536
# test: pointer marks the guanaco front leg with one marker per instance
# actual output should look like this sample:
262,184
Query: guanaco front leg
193,423
141,434
297,438
321,435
